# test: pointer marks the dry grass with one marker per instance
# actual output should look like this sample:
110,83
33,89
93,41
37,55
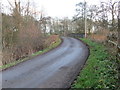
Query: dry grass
97,37
51,39
27,47
53,45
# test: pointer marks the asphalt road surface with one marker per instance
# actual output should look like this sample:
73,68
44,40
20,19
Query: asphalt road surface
55,69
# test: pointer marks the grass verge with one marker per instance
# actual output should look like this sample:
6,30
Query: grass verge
100,70
53,45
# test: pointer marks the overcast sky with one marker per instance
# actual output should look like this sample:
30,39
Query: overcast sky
56,8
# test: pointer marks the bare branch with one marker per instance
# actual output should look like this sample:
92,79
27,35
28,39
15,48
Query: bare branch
10,4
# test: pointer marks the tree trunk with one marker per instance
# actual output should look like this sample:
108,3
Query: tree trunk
119,23
113,17
1,47
119,29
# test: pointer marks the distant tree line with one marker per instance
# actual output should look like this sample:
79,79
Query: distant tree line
104,15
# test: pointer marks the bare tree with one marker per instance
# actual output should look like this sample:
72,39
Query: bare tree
112,8
103,15
43,24
22,35
81,17
27,10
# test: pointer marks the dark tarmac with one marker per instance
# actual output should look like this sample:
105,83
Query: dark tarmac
56,69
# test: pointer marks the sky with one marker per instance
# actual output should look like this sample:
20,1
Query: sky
55,8
59,8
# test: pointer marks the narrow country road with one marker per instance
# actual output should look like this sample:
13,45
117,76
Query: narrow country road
55,69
